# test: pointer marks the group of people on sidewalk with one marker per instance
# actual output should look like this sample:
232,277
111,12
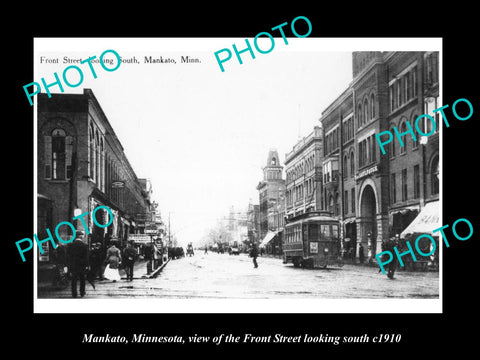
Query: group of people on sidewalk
86,265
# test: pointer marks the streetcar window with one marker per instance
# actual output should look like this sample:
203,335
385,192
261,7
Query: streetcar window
335,231
313,232
325,231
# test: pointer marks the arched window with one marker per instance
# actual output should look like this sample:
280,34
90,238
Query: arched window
102,165
97,158
360,115
274,161
92,151
435,175
345,166
352,164
372,106
58,156
365,109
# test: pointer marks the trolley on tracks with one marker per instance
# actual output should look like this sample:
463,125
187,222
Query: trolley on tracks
312,241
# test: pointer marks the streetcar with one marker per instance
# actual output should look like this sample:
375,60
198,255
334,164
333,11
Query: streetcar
312,241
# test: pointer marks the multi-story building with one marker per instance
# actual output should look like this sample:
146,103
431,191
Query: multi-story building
271,200
303,169
376,196
81,165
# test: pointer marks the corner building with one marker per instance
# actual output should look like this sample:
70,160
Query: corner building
81,165
271,193
375,195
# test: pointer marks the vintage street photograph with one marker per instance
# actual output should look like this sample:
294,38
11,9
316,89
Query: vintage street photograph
166,185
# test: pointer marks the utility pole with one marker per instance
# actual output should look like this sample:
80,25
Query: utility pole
169,231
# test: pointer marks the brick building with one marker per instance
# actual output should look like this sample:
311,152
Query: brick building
81,165
303,169
376,196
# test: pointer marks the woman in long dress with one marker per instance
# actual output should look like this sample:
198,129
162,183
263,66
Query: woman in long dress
113,260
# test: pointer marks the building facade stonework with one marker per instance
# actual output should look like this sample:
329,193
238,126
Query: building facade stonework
375,195
81,165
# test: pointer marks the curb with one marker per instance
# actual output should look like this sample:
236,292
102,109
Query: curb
156,272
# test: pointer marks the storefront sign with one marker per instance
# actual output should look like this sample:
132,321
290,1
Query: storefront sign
118,184
140,238
366,172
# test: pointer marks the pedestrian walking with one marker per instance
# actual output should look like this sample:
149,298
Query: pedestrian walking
129,257
113,261
254,255
206,249
77,262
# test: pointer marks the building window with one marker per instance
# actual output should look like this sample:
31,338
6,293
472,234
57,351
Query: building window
403,88
434,173
91,150
431,65
345,167
353,200
416,181
365,110
360,115
345,202
352,164
404,185
372,106
403,129
392,97
58,155
366,151
393,189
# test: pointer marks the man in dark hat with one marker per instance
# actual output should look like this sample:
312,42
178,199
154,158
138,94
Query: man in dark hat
77,262
129,257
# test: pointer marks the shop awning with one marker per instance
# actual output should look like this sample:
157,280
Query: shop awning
270,235
404,210
427,220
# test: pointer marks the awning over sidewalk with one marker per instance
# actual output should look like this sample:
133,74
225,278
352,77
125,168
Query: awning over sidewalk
427,220
270,235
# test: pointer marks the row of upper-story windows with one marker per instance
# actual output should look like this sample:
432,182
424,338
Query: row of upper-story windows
306,189
348,129
331,141
96,151
403,88
303,167
59,165
431,68
425,125
366,110
367,151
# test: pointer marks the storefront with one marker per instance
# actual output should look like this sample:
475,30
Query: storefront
427,220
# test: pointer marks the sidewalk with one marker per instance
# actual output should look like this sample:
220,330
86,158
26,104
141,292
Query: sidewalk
140,271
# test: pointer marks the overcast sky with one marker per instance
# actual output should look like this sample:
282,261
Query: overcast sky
201,135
